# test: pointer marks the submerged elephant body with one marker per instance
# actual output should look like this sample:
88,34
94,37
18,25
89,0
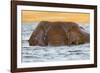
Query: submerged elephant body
58,34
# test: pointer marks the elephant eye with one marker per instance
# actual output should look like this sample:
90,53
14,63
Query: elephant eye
44,38
82,27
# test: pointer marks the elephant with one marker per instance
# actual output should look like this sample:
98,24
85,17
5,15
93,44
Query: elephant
58,34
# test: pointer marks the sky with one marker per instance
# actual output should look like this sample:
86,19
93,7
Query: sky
37,16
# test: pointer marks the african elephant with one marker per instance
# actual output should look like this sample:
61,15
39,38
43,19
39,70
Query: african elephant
58,34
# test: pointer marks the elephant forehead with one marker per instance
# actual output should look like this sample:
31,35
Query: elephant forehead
56,34
56,30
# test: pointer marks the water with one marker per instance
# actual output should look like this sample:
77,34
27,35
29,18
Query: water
49,53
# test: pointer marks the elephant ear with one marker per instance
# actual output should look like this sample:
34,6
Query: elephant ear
85,35
38,35
77,36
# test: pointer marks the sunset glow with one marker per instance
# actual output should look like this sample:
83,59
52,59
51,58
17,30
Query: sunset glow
36,16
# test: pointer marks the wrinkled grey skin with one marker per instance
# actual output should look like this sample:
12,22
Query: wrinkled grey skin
58,34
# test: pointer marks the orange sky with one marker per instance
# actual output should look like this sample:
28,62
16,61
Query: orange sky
36,16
